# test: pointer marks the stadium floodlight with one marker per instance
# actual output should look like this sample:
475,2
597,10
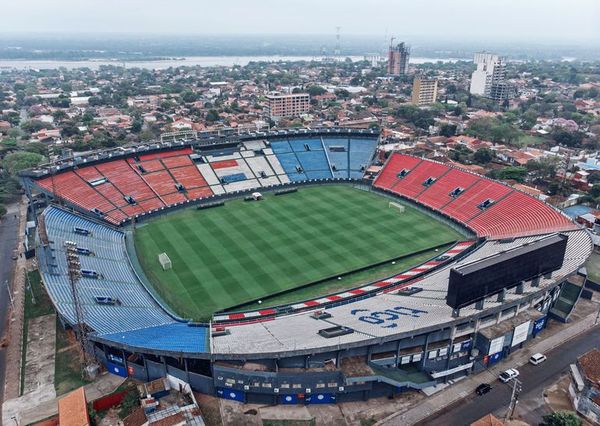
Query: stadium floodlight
89,367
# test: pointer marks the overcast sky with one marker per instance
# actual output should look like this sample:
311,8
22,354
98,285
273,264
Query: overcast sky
534,20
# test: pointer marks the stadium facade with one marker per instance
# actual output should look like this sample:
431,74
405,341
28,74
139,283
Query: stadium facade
417,328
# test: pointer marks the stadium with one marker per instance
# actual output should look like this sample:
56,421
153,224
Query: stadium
299,266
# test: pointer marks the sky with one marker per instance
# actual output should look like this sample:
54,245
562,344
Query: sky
533,20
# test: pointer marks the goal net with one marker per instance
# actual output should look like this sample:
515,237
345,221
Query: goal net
164,261
397,206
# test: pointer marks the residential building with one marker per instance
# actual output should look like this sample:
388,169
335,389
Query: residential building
398,59
287,105
424,91
585,385
489,79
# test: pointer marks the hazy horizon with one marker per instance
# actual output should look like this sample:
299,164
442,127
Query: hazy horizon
533,21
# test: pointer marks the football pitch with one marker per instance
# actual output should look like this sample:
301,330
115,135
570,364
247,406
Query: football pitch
244,251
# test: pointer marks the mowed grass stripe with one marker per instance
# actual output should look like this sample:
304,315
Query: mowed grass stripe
244,251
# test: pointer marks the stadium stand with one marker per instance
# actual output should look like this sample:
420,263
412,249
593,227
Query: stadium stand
507,212
338,154
361,153
129,306
533,217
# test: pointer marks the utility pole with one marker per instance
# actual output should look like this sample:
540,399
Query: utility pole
10,298
514,398
74,269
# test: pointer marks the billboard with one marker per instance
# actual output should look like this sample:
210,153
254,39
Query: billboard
520,333
538,325
496,345
473,281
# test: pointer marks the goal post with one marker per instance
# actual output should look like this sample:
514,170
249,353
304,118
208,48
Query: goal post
164,261
397,206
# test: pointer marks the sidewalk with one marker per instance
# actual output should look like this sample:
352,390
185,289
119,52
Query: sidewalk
466,387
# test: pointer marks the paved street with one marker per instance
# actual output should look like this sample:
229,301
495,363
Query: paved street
534,378
8,241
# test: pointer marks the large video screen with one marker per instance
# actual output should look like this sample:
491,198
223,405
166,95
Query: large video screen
476,280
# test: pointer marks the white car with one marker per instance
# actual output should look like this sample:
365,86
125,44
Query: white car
508,375
537,358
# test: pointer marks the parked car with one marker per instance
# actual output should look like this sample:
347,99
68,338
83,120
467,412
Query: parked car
508,375
483,388
537,358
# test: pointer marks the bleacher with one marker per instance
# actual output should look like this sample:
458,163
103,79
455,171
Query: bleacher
488,207
126,306
117,190
361,153
338,153
121,189
412,184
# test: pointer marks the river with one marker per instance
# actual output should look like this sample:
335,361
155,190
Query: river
203,61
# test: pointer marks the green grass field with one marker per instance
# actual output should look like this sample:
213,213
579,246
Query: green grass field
243,251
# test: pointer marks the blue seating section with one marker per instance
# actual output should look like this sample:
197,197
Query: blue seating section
136,308
280,147
316,161
237,177
361,152
299,145
313,160
177,337
337,158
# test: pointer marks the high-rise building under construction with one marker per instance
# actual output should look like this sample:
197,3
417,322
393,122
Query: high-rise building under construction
398,57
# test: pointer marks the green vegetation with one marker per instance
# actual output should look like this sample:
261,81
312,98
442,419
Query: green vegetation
67,367
353,280
562,418
242,252
494,130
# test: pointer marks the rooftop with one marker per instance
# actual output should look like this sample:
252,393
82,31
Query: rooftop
590,365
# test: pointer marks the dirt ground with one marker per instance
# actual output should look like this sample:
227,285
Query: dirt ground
39,360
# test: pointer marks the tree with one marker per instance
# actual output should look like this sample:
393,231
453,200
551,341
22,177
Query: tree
544,168
448,130
188,96
2,211
17,161
316,90
562,418
37,147
567,138
342,93
483,155
512,173
212,115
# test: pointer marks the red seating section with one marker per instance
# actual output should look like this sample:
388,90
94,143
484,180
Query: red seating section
465,206
534,217
412,184
388,176
151,189
438,195
512,213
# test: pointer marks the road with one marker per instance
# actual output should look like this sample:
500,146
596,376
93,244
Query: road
534,378
8,242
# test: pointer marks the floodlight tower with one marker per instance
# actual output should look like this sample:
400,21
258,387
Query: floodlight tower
74,270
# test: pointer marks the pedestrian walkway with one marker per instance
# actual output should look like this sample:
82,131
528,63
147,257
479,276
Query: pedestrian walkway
466,387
